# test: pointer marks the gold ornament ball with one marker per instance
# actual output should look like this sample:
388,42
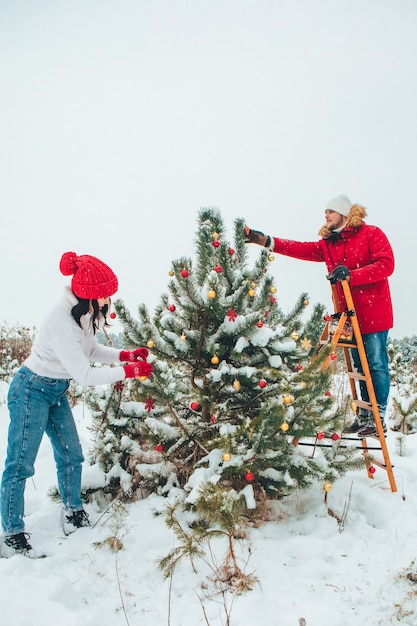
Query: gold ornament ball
227,456
284,426
215,359
171,273
287,399
142,378
150,343
215,235
273,290
327,486
271,257
306,302
251,293
294,335
236,385
211,294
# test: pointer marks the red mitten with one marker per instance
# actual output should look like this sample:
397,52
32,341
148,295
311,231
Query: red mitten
140,368
139,354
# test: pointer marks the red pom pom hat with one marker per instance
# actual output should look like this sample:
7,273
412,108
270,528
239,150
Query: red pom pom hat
92,279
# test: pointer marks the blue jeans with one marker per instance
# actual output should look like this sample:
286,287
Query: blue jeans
38,405
376,353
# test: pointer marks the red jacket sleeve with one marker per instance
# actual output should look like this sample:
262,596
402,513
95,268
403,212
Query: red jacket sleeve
304,250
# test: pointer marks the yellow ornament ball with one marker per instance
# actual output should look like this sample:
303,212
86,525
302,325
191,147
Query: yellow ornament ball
271,257
327,486
214,359
284,426
236,385
142,378
227,456
273,290
215,235
150,343
251,293
211,294
306,302
287,399
294,335
171,273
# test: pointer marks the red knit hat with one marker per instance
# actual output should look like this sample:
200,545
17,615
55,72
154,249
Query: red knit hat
92,279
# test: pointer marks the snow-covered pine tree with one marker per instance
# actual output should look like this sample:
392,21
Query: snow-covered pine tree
403,393
232,390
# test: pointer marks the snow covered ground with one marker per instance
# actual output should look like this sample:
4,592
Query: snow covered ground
310,572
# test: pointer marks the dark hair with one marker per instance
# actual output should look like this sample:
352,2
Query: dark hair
83,306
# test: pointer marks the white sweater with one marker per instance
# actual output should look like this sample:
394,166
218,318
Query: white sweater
64,350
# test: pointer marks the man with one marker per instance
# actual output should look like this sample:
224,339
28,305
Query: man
361,254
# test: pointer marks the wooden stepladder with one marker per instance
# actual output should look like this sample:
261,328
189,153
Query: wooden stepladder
342,332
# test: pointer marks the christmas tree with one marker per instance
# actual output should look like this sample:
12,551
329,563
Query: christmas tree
403,393
233,394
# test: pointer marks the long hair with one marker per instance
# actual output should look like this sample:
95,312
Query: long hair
83,307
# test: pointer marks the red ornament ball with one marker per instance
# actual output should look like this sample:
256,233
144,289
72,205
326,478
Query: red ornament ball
213,419
216,243
184,273
159,447
171,308
328,393
320,435
333,356
194,406
113,315
250,477
231,251
218,269
335,437
260,324
327,318
372,470
299,368
262,383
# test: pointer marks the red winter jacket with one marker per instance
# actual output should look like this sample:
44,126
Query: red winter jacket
367,253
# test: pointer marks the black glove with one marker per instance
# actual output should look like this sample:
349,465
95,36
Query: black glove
341,272
256,236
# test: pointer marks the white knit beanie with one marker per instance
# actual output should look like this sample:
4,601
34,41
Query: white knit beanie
341,204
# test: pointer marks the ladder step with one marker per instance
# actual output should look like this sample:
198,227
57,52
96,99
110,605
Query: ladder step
356,376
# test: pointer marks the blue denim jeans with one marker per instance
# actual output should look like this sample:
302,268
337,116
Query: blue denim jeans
376,353
38,405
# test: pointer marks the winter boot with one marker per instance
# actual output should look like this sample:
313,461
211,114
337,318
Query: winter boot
72,520
364,418
369,428
18,544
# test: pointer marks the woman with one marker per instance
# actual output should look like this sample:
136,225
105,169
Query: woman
64,348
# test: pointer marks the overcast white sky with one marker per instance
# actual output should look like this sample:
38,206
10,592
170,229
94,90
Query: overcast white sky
121,118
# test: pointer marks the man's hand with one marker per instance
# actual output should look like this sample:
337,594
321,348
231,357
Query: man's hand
341,272
256,236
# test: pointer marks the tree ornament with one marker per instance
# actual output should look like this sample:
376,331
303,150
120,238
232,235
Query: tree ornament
231,251
320,435
232,315
171,308
215,359
299,367
250,477
236,385
372,469
113,315
306,302
252,284
287,399
259,324
284,426
149,404
150,343
327,486
194,406
184,273
327,318
171,273
159,447
271,257
215,235
272,290
216,243
333,356
262,383
213,420
142,378
272,299
294,335
227,456
211,294
335,437
218,269
119,385
183,337
305,344
328,394
251,293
